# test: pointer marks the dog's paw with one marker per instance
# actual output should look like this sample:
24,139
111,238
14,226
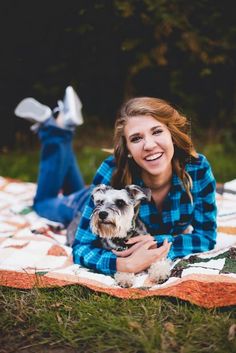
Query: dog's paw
159,271
124,279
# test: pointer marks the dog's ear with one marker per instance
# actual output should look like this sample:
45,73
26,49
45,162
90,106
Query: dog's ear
138,193
100,188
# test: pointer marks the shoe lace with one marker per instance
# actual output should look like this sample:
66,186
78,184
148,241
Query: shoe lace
60,107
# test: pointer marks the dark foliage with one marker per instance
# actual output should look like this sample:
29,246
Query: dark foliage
179,50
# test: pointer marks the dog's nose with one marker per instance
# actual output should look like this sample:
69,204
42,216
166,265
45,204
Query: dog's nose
103,215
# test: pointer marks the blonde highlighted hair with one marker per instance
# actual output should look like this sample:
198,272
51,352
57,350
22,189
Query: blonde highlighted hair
178,126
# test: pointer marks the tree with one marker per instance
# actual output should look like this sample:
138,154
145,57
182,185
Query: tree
179,50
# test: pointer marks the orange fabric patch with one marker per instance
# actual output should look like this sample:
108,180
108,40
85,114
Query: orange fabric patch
57,250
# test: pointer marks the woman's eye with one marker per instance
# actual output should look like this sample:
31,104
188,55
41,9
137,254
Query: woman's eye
135,139
157,132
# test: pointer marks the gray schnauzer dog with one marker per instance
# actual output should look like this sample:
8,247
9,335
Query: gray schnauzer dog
115,220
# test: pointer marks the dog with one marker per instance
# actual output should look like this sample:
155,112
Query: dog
115,220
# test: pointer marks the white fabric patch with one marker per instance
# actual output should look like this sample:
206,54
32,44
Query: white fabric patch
27,260
18,188
38,247
198,271
13,242
70,270
108,280
224,241
212,264
231,185
5,227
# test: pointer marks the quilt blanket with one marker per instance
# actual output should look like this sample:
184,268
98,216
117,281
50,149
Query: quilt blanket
33,254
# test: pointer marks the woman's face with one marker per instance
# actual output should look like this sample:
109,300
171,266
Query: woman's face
150,144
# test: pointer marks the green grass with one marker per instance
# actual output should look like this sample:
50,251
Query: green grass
24,164
223,161
75,317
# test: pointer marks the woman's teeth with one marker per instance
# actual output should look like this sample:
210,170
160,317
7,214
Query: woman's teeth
154,156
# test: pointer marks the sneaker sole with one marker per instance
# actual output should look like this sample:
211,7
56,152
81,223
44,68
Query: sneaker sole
32,110
75,105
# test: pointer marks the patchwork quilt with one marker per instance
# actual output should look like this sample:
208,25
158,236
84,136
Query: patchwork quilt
33,254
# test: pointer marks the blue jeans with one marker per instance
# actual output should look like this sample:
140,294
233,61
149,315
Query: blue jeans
61,191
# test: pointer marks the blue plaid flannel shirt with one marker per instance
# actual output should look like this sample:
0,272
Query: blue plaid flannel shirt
177,214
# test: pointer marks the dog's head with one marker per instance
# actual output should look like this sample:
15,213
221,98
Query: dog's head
115,209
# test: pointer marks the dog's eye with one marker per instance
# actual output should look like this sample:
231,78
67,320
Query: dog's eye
99,202
120,203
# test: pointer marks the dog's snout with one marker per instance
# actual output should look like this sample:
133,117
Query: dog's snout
103,215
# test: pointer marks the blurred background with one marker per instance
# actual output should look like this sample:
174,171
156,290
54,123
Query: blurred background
110,50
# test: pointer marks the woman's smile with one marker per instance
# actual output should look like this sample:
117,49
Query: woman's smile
153,157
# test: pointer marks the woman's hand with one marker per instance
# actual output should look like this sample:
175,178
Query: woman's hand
142,256
137,242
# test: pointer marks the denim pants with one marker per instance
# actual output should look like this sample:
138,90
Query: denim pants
61,191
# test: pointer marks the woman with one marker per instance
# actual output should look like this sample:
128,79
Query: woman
152,149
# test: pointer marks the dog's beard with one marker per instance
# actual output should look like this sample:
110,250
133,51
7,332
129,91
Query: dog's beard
115,227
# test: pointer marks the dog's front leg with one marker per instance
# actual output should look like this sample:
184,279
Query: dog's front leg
124,279
159,271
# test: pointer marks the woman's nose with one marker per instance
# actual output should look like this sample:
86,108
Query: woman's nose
149,144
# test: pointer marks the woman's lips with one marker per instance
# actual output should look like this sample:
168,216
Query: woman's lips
153,157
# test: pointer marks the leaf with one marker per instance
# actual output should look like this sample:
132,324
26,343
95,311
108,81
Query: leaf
232,332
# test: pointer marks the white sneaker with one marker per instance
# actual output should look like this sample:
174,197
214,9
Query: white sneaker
70,108
32,110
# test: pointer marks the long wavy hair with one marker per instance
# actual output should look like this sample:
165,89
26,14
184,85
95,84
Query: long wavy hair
178,126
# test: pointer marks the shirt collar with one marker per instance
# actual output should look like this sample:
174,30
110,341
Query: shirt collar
176,183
